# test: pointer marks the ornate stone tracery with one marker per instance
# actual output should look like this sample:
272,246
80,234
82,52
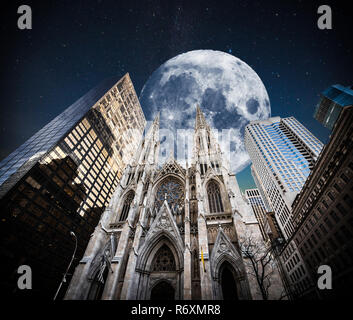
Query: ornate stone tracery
127,204
164,260
214,197
172,190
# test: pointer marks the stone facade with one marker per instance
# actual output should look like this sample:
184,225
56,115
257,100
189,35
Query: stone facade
323,217
171,232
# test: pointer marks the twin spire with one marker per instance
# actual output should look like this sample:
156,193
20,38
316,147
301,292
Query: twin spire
199,122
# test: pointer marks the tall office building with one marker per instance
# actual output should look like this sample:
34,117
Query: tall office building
323,215
257,204
283,152
333,100
62,179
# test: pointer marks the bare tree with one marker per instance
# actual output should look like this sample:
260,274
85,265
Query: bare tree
261,261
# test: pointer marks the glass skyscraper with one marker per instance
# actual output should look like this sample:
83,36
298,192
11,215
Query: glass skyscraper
61,180
283,152
333,99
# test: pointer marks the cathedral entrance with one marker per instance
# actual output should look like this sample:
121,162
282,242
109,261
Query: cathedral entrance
162,291
228,284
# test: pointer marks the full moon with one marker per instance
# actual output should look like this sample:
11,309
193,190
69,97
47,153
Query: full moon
228,91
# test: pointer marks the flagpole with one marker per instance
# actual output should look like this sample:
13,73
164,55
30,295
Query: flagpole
203,261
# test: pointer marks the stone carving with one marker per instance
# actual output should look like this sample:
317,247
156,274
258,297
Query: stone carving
231,194
171,190
164,221
223,246
103,259
173,167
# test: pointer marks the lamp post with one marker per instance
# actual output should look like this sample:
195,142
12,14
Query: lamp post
67,270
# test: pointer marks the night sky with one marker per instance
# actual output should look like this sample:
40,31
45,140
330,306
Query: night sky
74,45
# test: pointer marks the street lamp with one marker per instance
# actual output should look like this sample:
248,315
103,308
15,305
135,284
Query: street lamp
67,270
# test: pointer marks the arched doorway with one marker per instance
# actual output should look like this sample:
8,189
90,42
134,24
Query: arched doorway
162,291
228,284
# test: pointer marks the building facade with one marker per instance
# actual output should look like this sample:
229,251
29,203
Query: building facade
258,206
62,179
333,100
283,152
171,232
323,215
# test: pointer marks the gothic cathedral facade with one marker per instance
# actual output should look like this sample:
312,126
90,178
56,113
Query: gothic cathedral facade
170,232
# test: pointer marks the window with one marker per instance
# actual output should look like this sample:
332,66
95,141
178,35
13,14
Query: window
322,227
344,178
126,207
164,260
328,223
337,187
325,204
173,191
334,216
214,197
331,196
341,209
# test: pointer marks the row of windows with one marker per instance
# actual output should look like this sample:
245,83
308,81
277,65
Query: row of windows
298,273
277,202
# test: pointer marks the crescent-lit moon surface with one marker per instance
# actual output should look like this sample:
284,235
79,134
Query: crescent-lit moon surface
229,92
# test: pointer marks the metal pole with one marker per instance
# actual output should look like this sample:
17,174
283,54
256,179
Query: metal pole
67,270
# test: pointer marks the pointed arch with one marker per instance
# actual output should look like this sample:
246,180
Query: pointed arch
228,277
129,197
214,197
149,270
97,286
163,260
224,253
150,248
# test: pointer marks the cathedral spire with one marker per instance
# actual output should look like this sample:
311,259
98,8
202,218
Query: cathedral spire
156,119
200,118
171,157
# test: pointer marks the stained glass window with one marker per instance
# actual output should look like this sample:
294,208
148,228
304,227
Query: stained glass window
214,197
172,189
126,206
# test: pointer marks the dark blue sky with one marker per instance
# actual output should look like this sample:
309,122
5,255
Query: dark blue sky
76,44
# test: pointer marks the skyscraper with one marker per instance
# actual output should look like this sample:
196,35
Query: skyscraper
323,214
333,99
61,180
258,206
283,152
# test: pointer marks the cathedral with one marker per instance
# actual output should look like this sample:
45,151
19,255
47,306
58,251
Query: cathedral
170,232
